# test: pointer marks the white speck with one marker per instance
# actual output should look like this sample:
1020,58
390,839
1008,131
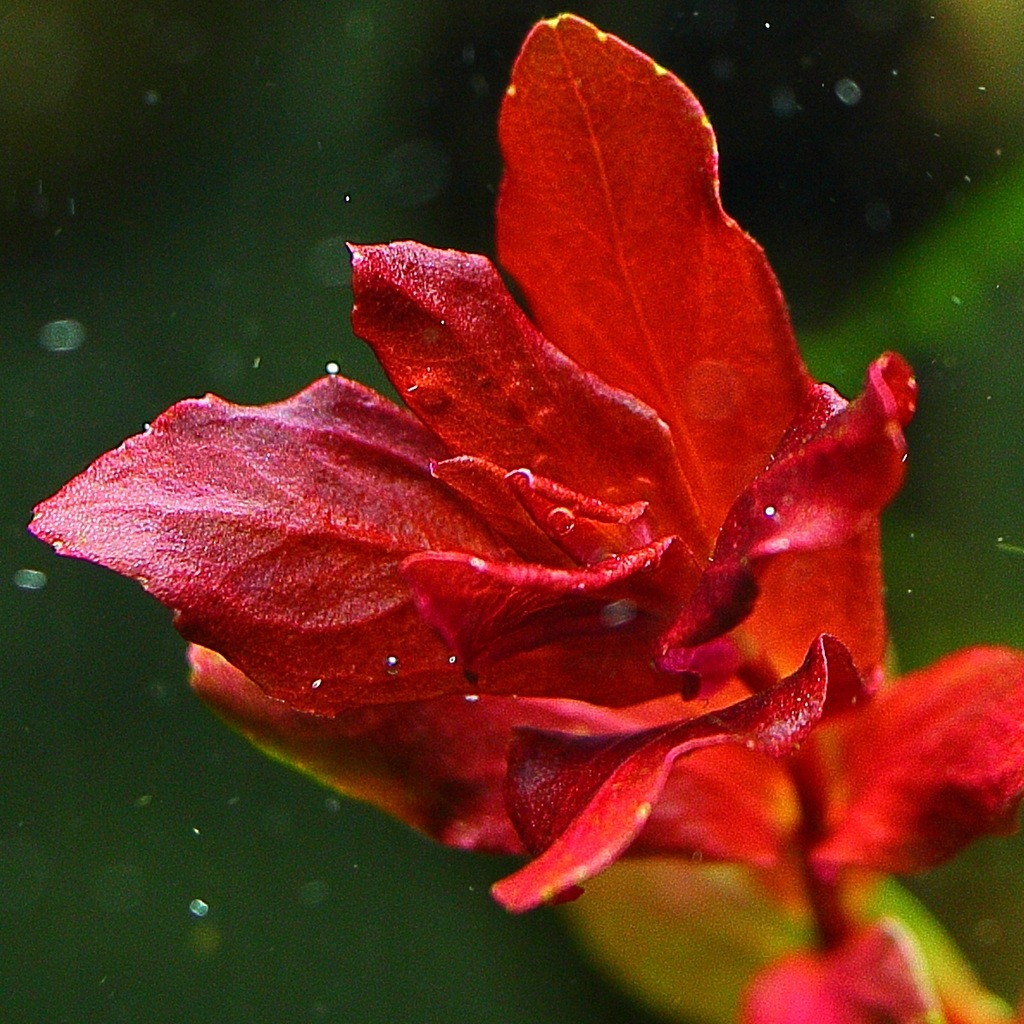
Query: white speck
769,511
62,335
348,198
982,88
472,698
332,369
848,92
29,579
392,665
195,830
956,300
256,362
198,908
452,659
151,97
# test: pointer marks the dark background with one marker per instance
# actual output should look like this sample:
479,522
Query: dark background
178,179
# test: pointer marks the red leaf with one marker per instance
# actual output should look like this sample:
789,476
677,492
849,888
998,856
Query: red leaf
932,763
583,800
836,468
588,530
276,534
609,220
488,610
438,765
876,977
486,488
479,374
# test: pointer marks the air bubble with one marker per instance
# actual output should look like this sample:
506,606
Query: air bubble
618,613
769,511
392,665
62,336
561,521
198,908
332,369
848,92
29,579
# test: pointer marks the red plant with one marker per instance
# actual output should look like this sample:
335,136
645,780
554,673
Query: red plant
611,584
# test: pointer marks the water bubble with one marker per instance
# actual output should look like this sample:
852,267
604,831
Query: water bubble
332,369
314,893
784,102
415,172
62,335
198,908
561,521
392,665
328,261
848,92
618,613
29,579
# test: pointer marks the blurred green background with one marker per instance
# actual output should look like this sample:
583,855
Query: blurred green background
176,182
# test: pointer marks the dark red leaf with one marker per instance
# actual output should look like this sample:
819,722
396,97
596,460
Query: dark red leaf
486,488
276,534
480,375
489,610
588,530
609,220
583,800
438,765
933,762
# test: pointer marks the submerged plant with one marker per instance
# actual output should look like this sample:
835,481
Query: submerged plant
610,585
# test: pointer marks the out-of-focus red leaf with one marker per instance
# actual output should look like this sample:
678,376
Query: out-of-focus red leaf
471,365
276,534
609,220
876,977
438,765
936,760
583,800
837,467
